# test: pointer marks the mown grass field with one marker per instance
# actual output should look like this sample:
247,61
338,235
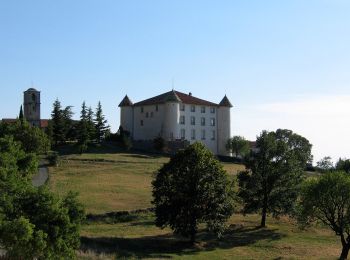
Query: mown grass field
109,182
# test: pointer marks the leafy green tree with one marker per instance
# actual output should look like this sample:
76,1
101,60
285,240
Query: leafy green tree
58,124
274,173
343,165
327,199
34,223
192,188
100,123
33,139
238,145
14,159
325,164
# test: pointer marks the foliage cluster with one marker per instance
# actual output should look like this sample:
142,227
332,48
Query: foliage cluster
34,223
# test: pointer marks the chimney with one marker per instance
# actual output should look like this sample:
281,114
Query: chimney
190,94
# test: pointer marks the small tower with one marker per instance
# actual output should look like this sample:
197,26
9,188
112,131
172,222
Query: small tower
31,104
127,115
171,116
224,125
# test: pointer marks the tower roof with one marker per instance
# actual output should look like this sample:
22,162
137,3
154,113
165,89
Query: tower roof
31,90
172,97
126,102
176,96
225,102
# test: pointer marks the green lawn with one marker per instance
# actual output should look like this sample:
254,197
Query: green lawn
112,181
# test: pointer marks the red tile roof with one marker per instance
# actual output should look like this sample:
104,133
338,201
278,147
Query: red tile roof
44,123
184,98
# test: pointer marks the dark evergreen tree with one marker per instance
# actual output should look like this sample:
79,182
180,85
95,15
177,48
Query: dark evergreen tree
91,124
69,131
83,131
190,189
274,173
21,116
100,123
58,125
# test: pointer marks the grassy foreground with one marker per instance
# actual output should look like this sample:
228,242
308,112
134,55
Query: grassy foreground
109,182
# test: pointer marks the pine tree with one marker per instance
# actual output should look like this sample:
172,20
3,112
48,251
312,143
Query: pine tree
21,116
83,137
100,123
91,124
58,135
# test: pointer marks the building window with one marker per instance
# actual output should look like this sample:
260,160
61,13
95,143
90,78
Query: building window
141,122
212,121
151,114
203,134
203,121
182,120
147,114
193,120
183,134
193,134
141,109
193,108
213,135
202,109
212,110
157,108
182,107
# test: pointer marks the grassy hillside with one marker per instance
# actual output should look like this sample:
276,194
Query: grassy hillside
109,182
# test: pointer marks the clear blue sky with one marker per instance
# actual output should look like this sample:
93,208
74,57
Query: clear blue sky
267,56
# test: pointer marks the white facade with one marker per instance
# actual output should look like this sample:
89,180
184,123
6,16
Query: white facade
176,116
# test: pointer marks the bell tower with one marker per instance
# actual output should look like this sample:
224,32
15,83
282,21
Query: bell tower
31,104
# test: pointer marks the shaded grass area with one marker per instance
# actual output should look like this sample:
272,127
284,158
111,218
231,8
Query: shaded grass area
139,238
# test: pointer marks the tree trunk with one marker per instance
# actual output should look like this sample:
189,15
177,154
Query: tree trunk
263,218
345,252
264,211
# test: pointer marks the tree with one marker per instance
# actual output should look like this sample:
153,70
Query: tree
32,139
100,123
83,137
90,124
325,164
192,188
274,173
58,124
343,165
20,116
327,199
14,159
34,223
238,145
69,131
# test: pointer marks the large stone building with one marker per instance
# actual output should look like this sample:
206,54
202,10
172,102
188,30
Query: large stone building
31,109
178,116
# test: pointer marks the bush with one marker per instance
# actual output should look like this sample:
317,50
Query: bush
54,159
159,144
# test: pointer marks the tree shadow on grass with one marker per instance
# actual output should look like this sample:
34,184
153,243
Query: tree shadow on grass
162,246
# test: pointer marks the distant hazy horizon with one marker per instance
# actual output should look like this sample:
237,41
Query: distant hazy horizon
283,64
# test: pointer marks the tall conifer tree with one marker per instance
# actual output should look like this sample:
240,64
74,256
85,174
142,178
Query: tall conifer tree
100,123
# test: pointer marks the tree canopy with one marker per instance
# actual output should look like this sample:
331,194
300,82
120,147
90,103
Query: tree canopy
190,189
327,199
274,173
238,145
34,223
